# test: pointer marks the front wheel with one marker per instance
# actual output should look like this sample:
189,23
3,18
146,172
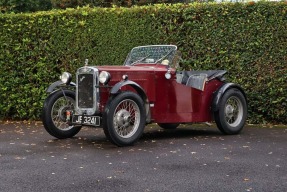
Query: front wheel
124,119
54,114
232,113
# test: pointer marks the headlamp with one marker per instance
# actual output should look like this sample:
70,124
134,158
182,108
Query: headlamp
104,77
66,78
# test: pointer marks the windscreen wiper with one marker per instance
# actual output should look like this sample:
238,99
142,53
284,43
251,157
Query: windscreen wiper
164,56
140,60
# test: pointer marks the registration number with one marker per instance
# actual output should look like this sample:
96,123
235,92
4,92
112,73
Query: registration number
87,120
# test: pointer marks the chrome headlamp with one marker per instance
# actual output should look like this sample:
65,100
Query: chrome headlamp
104,77
66,78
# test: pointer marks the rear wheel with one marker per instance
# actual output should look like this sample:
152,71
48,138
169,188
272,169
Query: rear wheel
54,114
168,125
232,113
124,119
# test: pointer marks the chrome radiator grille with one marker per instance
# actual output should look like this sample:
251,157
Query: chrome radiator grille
87,91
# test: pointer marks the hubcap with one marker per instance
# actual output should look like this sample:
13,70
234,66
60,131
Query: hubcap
233,111
229,110
123,118
62,112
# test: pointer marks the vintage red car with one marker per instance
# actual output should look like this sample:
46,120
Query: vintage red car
148,88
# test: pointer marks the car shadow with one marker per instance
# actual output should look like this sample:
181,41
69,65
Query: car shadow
190,132
87,137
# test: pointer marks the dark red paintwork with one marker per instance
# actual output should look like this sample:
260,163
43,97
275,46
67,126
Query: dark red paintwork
170,101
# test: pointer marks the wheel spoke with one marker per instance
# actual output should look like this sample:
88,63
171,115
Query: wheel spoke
228,119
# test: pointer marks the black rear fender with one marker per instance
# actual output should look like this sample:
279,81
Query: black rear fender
220,92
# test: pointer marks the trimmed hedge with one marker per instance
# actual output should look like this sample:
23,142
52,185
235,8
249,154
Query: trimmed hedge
249,40
36,48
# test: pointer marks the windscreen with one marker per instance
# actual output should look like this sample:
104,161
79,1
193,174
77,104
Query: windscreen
151,54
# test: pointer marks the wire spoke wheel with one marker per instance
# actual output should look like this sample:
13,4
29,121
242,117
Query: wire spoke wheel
232,112
54,115
124,118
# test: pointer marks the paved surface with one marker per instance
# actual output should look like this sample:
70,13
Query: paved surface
191,158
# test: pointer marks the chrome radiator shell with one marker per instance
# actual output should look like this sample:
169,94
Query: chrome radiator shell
87,91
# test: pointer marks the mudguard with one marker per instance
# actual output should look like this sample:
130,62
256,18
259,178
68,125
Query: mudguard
139,90
133,84
220,92
52,87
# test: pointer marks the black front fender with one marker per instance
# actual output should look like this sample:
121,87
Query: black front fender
220,92
133,84
56,84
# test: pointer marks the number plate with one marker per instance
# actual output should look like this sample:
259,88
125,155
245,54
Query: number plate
87,120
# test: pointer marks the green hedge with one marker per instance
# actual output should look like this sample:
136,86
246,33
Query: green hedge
249,40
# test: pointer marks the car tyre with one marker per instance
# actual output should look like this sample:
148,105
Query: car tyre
168,125
232,113
124,118
54,114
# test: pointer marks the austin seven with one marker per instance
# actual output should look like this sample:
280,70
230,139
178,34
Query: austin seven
149,88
